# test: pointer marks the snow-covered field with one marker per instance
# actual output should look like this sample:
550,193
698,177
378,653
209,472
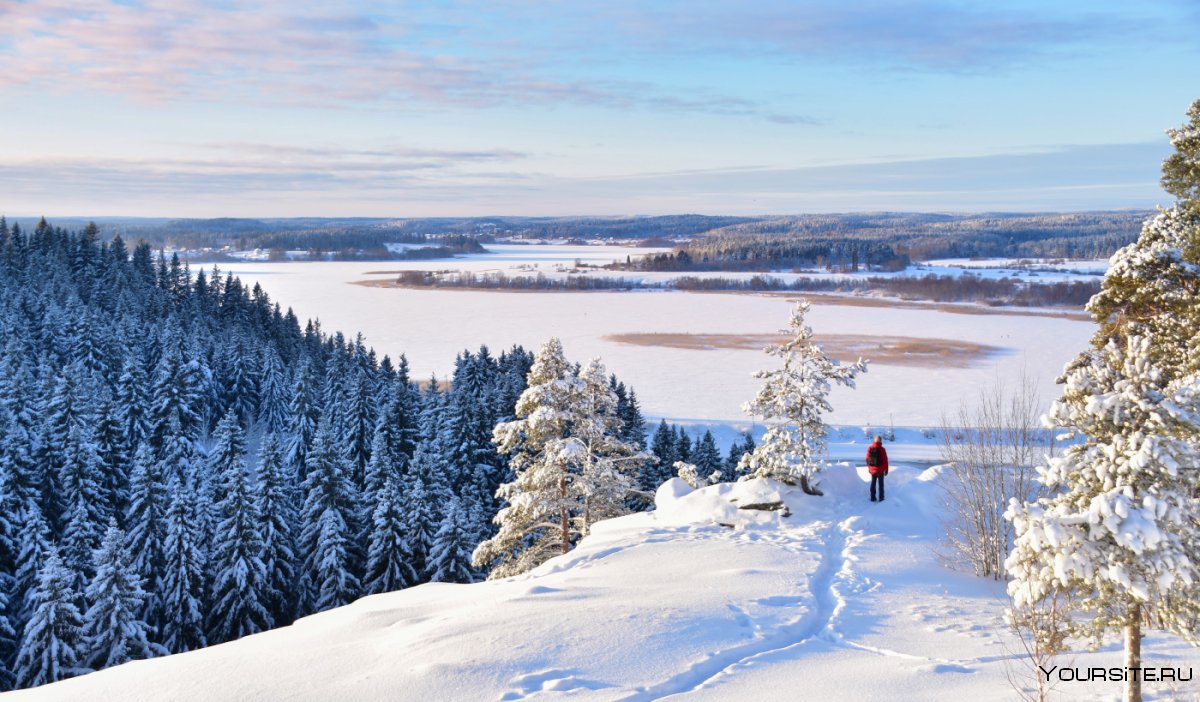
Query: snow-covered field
432,326
842,600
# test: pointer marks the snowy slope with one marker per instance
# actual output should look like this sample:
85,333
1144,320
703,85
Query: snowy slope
841,600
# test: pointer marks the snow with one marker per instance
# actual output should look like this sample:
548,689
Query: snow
841,600
432,326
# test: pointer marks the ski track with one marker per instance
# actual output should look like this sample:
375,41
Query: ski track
837,539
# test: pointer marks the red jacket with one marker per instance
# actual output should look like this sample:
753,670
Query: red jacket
882,468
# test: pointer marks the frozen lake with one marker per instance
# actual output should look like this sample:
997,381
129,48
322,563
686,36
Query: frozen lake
686,384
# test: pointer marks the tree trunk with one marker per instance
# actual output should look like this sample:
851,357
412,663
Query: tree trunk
562,513
587,516
1133,656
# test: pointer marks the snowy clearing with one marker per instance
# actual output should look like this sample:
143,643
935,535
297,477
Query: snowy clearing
841,600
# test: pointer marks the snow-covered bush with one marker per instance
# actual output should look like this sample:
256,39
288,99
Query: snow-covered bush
990,448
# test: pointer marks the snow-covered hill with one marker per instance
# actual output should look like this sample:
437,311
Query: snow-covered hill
842,599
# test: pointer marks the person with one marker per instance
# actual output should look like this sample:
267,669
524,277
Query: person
877,465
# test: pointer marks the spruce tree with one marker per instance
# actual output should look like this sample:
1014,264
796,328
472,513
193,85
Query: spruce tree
276,507
114,631
421,521
239,592
328,531
133,403
8,633
450,555
663,446
302,419
183,580
35,545
85,509
390,556
273,393
146,520
52,643
707,457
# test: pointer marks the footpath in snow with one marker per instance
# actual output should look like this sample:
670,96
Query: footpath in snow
832,598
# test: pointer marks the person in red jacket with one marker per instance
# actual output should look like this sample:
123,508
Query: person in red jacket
877,464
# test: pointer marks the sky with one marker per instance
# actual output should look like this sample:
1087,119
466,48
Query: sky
184,108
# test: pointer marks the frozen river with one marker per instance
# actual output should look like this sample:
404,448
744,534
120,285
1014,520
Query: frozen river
706,385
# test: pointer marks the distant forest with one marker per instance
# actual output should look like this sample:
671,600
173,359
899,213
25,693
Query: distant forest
935,288
891,241
881,241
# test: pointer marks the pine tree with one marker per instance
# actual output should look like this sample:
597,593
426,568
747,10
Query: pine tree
791,401
239,583
327,520
569,465
114,631
1181,170
536,524
390,556
450,556
1117,534
52,642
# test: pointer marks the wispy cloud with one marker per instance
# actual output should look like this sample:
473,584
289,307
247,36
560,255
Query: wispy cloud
331,183
301,53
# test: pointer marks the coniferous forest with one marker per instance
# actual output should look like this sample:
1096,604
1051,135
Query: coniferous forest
183,463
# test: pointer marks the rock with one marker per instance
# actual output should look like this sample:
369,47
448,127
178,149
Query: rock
775,506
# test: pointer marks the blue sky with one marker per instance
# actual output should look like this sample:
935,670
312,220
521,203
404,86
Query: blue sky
302,108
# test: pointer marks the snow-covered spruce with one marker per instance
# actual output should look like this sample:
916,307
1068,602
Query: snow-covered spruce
114,631
791,402
52,644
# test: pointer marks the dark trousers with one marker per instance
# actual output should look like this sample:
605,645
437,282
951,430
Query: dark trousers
877,478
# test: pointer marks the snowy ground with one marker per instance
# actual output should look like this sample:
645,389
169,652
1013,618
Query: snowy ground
432,326
841,600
